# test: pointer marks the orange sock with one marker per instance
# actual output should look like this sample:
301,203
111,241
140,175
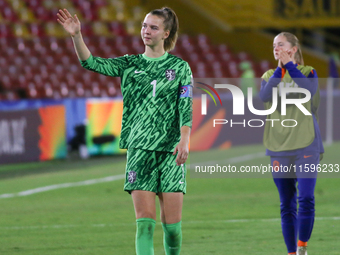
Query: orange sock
300,243
292,253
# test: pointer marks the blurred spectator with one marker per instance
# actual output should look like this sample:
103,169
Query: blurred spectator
247,79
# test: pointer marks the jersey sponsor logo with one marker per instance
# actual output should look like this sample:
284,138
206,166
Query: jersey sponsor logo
185,91
132,176
304,156
139,71
170,74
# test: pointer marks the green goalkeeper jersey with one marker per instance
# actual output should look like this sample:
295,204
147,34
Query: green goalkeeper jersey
157,98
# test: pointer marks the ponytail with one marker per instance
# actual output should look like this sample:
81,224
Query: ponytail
298,56
171,24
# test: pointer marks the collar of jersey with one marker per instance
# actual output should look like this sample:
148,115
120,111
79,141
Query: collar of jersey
156,59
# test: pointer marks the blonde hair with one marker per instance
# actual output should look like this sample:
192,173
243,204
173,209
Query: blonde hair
292,39
171,24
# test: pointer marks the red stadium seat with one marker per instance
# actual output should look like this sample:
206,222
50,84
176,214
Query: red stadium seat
71,93
80,92
265,65
28,72
209,57
42,14
38,81
13,71
219,70
122,50
56,95
226,57
36,29
4,42
95,90
223,48
3,4
102,41
44,72
86,29
11,95
203,40
32,91
117,28
6,82
75,68
47,90
99,3
54,79
3,62
59,70
27,53
19,61
233,69
65,60
64,91
70,80
9,14
5,30
54,47
41,49
242,56
109,89
103,79
83,4
46,65
88,93
22,83
34,61
200,70
89,15
33,3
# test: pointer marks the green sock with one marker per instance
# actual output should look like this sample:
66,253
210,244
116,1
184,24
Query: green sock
144,236
172,238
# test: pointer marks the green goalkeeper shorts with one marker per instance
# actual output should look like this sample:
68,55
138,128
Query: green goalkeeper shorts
154,171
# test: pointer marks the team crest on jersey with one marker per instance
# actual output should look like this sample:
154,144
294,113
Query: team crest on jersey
132,176
170,74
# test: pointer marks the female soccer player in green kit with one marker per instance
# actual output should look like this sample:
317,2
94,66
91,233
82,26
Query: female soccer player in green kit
157,116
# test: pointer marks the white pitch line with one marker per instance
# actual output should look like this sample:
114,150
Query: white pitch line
183,222
118,177
63,185
256,220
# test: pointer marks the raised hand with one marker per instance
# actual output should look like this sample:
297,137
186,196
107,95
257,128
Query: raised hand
285,57
70,24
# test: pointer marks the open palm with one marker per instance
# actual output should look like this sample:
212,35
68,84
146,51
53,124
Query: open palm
70,24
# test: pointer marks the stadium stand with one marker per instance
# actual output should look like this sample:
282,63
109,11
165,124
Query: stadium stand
37,58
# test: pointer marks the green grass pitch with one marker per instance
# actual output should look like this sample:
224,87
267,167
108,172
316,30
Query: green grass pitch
220,215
